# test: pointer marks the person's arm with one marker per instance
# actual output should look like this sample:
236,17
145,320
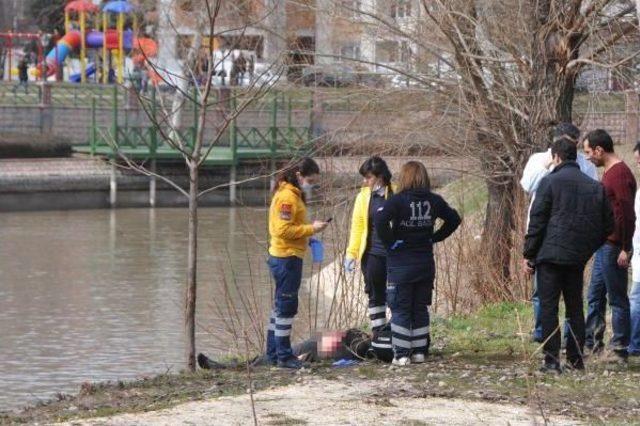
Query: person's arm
534,171
539,219
451,220
629,222
383,221
357,227
282,220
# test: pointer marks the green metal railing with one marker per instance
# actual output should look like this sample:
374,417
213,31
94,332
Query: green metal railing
242,141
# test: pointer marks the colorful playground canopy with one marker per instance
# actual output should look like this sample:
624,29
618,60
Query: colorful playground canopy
81,6
118,6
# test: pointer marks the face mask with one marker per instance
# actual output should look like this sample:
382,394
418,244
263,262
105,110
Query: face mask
307,187
377,187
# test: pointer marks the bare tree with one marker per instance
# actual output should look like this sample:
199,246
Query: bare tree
193,87
497,75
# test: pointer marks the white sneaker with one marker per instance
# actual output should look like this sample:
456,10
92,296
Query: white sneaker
417,358
401,361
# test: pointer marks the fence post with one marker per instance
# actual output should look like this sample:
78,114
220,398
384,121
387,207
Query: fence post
289,124
115,116
632,117
46,112
233,141
94,131
274,136
310,126
153,148
113,183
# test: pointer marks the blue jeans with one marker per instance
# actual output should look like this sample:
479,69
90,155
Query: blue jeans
287,274
634,301
608,280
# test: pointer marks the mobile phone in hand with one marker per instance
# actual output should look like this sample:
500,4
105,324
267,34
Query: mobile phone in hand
329,220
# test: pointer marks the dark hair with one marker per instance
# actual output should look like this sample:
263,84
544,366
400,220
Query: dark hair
637,147
306,166
565,148
566,129
601,138
377,167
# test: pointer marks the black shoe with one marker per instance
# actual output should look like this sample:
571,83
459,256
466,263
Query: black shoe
594,350
203,361
535,338
551,368
575,365
262,361
291,363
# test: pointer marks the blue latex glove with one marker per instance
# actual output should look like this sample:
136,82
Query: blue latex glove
317,250
344,363
397,244
349,264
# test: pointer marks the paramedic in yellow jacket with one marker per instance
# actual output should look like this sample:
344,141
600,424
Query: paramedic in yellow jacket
364,244
289,235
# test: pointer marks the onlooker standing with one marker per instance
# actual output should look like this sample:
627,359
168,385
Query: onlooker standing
634,298
609,274
365,245
406,225
538,166
23,76
570,218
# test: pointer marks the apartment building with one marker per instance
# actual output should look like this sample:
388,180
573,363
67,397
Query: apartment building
366,34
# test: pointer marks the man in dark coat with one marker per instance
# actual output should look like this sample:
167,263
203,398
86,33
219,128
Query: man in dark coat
570,218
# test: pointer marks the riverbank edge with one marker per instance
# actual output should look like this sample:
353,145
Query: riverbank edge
484,356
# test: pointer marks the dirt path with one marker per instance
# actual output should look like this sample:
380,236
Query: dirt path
322,402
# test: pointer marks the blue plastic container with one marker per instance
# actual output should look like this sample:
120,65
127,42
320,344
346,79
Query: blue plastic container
317,250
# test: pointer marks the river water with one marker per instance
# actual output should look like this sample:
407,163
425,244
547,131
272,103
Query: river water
97,295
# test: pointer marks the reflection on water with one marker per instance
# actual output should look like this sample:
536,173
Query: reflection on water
97,295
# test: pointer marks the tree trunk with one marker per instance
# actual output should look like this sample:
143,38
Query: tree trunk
192,264
497,235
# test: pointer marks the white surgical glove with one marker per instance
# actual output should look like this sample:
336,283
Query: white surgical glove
349,264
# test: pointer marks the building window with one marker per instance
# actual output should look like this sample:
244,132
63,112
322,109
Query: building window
350,8
400,8
350,51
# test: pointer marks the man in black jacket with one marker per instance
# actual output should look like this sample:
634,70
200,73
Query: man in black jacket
570,218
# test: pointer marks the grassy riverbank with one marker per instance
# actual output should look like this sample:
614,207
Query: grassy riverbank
485,356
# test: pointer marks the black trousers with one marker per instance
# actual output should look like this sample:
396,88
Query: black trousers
554,280
374,270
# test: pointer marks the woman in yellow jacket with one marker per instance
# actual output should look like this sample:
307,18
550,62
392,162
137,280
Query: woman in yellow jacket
364,244
289,235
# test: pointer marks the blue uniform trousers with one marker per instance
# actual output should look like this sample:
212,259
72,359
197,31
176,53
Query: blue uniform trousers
409,301
287,274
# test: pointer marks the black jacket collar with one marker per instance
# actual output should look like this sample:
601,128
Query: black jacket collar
570,163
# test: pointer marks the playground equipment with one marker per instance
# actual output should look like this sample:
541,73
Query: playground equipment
113,42
8,43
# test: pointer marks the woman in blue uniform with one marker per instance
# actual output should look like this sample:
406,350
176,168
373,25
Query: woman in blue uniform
364,244
405,224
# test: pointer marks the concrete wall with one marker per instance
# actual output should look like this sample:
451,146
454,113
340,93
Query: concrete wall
73,123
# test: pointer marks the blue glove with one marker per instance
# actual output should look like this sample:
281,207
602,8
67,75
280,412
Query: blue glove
317,250
349,264
341,363
396,244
